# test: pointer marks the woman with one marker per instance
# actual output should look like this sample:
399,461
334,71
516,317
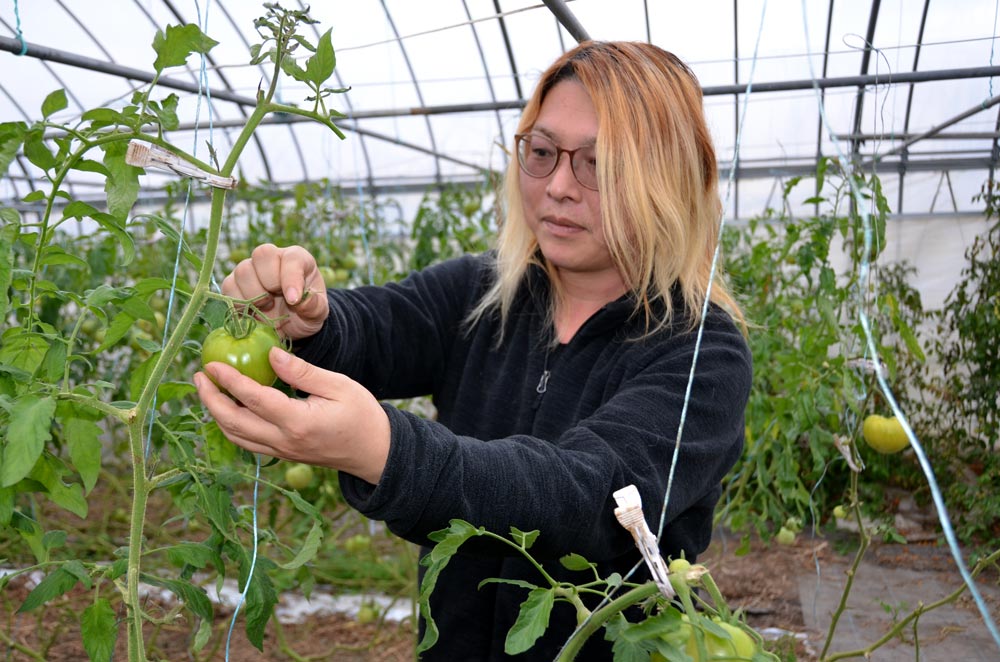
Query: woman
558,363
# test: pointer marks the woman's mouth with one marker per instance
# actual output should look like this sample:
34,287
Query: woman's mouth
561,227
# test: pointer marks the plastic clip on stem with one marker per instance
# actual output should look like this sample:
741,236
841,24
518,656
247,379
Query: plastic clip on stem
145,155
629,514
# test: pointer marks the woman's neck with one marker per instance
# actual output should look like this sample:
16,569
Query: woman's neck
582,295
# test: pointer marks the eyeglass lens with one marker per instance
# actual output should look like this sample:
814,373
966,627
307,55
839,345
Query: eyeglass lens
539,157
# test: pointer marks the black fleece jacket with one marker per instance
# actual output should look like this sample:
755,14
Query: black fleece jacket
501,453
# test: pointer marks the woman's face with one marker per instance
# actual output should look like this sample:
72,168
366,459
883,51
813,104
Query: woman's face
565,216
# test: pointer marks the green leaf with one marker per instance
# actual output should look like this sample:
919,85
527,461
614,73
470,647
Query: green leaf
193,597
89,165
575,562
260,602
37,152
320,66
6,506
448,541
532,621
31,533
53,103
174,46
309,548
29,429
83,437
49,471
99,629
53,585
122,186
115,228
8,237
11,138
522,538
166,111
54,363
190,553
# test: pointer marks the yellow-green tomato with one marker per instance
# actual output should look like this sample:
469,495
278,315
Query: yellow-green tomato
885,434
367,614
739,647
785,536
679,565
839,512
299,476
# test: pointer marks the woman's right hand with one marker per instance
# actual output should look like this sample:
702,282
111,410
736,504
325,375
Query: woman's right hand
288,284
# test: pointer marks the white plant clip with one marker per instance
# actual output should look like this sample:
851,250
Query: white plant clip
146,155
629,514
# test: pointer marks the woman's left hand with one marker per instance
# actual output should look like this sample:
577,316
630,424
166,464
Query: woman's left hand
339,425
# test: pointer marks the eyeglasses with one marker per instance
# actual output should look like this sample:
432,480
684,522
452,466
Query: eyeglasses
538,157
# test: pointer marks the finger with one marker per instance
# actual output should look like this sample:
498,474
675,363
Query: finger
238,425
298,273
304,376
242,424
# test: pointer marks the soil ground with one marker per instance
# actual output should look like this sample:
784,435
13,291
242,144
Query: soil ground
777,587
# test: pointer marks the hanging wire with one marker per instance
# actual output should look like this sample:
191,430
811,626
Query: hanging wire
863,274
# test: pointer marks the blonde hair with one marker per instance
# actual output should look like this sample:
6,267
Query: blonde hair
657,177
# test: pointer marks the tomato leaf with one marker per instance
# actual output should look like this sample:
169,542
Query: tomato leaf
522,538
83,437
194,597
54,584
174,46
29,429
11,138
99,630
8,237
448,541
575,562
122,186
49,471
310,546
532,621
54,102
192,554
261,600
320,66
37,152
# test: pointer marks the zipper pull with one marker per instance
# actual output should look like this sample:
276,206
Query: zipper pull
543,382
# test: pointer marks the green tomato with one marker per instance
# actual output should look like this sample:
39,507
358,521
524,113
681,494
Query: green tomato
357,543
367,614
740,646
248,353
299,476
839,512
885,434
785,536
679,565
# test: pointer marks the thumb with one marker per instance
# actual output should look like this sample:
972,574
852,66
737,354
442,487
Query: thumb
302,375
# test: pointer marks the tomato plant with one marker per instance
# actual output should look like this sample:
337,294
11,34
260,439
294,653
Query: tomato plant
244,344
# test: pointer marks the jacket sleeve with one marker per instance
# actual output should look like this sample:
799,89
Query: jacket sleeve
394,339
563,488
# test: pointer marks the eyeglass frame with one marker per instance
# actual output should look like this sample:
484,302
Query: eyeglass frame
519,137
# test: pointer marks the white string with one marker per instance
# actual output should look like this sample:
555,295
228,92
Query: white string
863,274
712,272
253,559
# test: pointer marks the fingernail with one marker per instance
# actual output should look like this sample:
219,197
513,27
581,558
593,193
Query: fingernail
292,296
278,355
197,380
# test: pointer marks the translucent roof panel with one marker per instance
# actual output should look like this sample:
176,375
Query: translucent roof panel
434,89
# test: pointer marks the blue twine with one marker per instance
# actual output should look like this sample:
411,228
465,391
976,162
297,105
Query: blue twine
20,35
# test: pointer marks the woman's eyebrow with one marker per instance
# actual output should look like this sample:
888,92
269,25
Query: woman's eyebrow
554,138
